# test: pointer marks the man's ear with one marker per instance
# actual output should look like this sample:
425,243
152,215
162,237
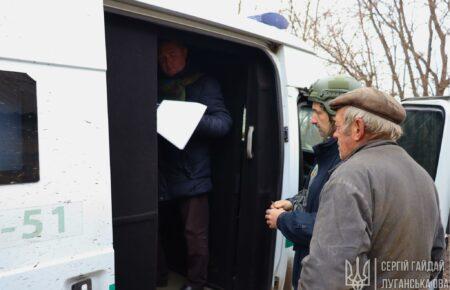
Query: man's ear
359,129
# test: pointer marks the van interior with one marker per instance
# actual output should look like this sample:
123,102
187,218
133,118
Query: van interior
245,178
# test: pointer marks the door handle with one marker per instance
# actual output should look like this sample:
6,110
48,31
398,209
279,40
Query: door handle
250,142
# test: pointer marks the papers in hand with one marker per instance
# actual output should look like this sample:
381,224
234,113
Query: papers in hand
176,121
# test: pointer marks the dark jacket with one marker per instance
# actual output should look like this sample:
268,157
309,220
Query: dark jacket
378,205
188,172
297,226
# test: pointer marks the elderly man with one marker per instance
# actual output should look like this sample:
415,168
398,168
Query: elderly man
185,175
379,206
295,216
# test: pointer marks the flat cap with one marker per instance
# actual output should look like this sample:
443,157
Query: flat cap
373,101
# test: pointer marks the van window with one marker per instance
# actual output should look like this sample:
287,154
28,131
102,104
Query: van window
422,135
18,129
309,134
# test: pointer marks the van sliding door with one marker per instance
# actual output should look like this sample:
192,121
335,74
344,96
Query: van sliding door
131,78
261,178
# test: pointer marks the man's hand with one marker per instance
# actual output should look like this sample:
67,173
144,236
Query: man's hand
272,216
283,204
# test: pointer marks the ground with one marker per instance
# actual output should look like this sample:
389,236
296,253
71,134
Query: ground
175,282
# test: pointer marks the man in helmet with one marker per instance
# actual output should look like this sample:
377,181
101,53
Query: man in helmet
295,217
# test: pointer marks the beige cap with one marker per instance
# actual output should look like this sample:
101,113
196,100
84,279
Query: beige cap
373,101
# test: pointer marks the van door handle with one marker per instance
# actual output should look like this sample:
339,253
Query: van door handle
250,142
83,285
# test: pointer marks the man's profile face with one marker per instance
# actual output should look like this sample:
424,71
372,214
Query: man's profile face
172,58
343,135
321,120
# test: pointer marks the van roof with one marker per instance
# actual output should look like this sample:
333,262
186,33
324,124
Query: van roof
235,23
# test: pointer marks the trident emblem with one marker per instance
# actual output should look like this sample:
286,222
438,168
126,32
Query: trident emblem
359,278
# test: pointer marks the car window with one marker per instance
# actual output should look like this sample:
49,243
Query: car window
309,134
422,135
18,129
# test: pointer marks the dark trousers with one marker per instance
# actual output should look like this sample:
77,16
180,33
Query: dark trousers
195,217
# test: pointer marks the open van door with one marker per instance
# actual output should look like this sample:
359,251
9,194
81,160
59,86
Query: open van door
261,177
424,131
132,47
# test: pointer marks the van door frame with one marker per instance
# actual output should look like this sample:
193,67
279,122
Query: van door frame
147,14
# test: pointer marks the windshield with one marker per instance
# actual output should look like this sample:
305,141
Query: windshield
422,135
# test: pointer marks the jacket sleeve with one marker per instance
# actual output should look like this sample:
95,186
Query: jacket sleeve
297,226
341,234
438,250
216,122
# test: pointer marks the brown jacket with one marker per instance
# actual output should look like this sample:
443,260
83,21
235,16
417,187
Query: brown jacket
379,206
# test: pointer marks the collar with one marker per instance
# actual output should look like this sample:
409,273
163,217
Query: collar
325,146
371,144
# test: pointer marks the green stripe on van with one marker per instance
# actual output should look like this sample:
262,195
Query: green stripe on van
112,287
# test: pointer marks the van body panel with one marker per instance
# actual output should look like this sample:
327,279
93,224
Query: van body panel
300,68
290,179
149,13
53,32
71,201
289,61
62,274
442,181
214,17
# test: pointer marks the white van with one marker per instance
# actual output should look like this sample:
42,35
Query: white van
78,147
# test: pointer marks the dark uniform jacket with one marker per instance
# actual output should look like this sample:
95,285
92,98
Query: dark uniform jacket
378,204
297,225
188,172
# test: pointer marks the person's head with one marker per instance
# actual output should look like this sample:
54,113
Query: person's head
322,120
363,115
172,57
321,93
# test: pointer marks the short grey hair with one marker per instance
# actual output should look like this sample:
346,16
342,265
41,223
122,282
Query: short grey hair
376,125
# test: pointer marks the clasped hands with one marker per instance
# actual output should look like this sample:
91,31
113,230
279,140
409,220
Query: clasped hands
276,208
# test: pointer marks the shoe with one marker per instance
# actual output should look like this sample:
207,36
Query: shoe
186,287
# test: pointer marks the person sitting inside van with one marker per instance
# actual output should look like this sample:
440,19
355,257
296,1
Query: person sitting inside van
295,217
185,175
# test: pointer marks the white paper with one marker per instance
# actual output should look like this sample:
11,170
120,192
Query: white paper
176,121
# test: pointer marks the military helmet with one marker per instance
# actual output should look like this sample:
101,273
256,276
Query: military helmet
326,89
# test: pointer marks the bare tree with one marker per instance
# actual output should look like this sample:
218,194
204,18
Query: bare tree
381,37
300,23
